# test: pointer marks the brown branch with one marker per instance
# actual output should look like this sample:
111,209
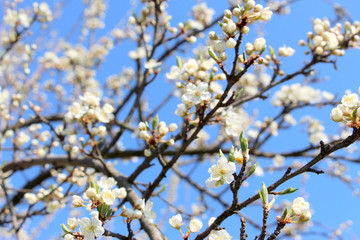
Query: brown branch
325,151
63,161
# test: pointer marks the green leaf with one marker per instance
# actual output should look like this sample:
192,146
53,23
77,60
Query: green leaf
155,122
272,51
354,113
285,214
271,203
252,169
221,153
94,185
264,194
178,61
212,54
262,50
239,93
64,228
287,191
231,157
244,144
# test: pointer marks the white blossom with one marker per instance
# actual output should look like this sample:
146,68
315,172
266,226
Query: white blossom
336,115
195,94
120,192
195,225
176,221
301,208
219,235
108,197
350,100
221,173
107,182
259,44
286,51
93,228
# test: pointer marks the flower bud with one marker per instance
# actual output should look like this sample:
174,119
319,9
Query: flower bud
195,225
163,130
144,135
245,30
147,152
230,43
227,13
258,8
249,48
90,193
337,115
230,27
142,126
259,44
266,14
173,127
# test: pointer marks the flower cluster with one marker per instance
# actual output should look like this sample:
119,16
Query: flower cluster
286,51
193,95
295,94
218,234
94,14
88,110
235,121
315,130
300,210
21,17
43,12
100,196
89,229
102,192
347,111
53,198
140,209
79,175
195,224
156,134
326,40
253,82
202,15
243,15
221,173
196,69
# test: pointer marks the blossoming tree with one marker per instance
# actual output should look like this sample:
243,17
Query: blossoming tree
89,152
